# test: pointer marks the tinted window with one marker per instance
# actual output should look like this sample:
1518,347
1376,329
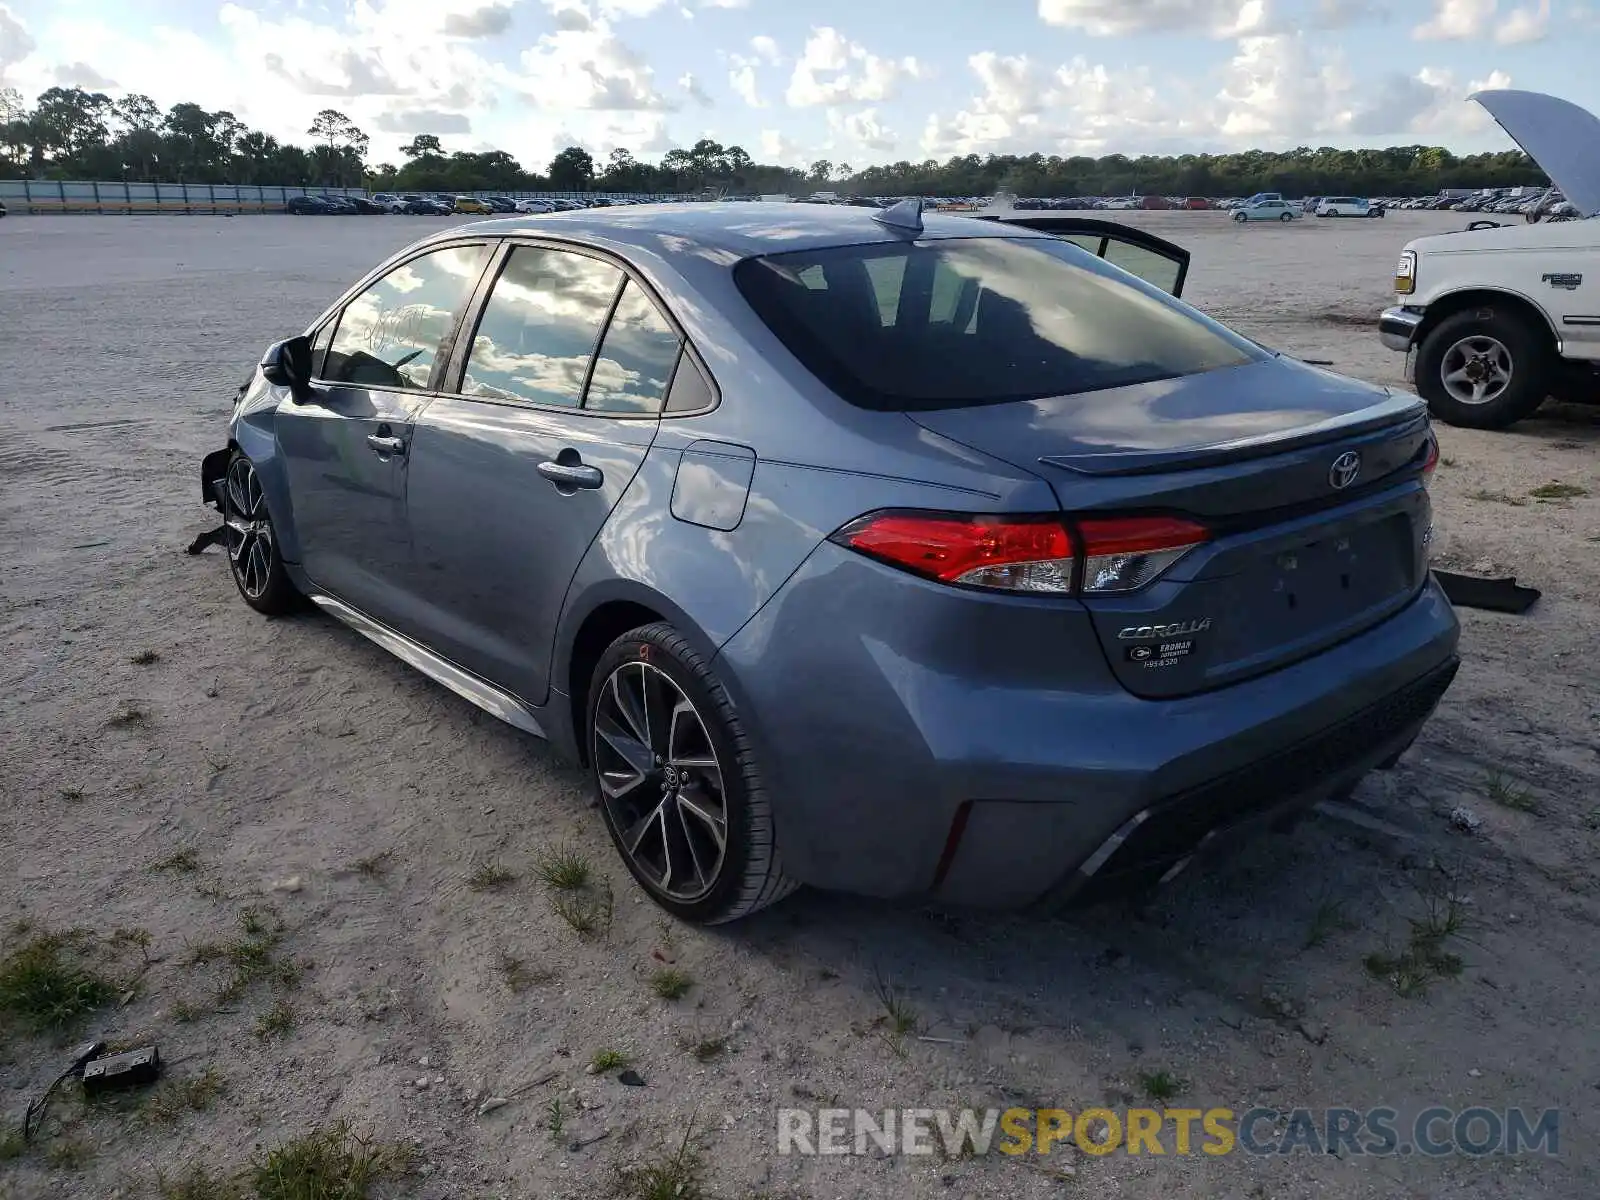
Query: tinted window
977,321
1149,266
540,326
634,367
390,335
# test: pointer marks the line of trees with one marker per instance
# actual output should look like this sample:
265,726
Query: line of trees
71,133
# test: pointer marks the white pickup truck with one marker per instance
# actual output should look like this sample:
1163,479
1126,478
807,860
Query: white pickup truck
1494,320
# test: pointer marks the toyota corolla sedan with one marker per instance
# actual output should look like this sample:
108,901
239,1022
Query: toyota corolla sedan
913,556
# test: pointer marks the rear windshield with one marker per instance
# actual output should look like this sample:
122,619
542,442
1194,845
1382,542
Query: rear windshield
952,323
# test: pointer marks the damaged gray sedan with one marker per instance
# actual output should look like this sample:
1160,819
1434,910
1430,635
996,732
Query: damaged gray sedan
913,556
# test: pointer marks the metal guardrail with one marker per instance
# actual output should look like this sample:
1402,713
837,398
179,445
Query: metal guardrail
42,196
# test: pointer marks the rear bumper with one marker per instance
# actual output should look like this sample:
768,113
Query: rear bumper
909,750
1397,327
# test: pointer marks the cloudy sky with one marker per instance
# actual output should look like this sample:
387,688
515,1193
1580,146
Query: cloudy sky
839,79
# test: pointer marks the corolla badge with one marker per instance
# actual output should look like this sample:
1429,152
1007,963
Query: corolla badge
1344,470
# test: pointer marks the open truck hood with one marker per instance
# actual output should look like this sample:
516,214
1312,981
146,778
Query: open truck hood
1558,135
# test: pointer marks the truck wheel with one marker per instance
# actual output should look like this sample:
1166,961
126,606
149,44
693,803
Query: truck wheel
1485,368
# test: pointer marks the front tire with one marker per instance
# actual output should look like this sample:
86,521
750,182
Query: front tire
1485,368
677,781
1239,217
252,543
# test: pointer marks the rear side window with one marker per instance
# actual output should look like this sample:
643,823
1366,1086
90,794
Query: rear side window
391,334
949,323
634,367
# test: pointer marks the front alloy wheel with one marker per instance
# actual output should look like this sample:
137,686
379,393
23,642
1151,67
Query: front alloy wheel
677,780
252,546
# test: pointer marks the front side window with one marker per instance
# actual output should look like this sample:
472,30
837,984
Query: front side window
955,322
540,326
391,334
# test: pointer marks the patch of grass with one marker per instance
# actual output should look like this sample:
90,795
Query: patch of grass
514,971
588,911
898,1015
185,1013
679,1175
47,982
326,1164
276,1021
563,868
374,866
182,861
709,1048
1591,820
1410,970
1328,920
198,1183
144,658
1558,491
1160,1086
489,876
129,716
1446,461
72,794
670,983
555,1117
251,957
606,1061
1497,498
11,1144
180,1096
68,1154
1508,794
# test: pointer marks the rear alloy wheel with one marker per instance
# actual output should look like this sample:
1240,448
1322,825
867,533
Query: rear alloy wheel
252,546
677,781
1485,368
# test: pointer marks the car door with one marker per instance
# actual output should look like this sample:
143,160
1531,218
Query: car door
346,449
552,405
1153,259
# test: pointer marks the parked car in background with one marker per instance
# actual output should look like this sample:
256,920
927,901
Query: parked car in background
1494,320
470,204
1346,206
1197,203
1267,210
500,204
1104,581
2,208
535,206
303,206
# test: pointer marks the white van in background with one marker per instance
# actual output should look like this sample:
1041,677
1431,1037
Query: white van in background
1348,206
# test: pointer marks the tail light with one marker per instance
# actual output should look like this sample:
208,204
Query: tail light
1092,556
1430,458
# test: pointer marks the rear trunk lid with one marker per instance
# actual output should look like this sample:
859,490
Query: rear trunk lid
1311,486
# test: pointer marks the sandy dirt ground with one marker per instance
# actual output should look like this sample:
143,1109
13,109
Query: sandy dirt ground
291,770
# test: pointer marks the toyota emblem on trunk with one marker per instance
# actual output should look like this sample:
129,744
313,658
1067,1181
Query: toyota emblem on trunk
1344,470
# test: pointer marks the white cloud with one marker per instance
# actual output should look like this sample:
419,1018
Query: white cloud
1455,20
766,49
1278,87
724,3
16,43
1114,18
833,70
1524,25
778,147
1025,108
742,79
692,89
864,128
488,21
592,68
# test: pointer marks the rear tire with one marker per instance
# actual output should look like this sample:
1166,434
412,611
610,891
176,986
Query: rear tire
1286,217
1495,354
677,781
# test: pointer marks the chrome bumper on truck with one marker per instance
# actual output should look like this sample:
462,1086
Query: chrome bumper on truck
1397,326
